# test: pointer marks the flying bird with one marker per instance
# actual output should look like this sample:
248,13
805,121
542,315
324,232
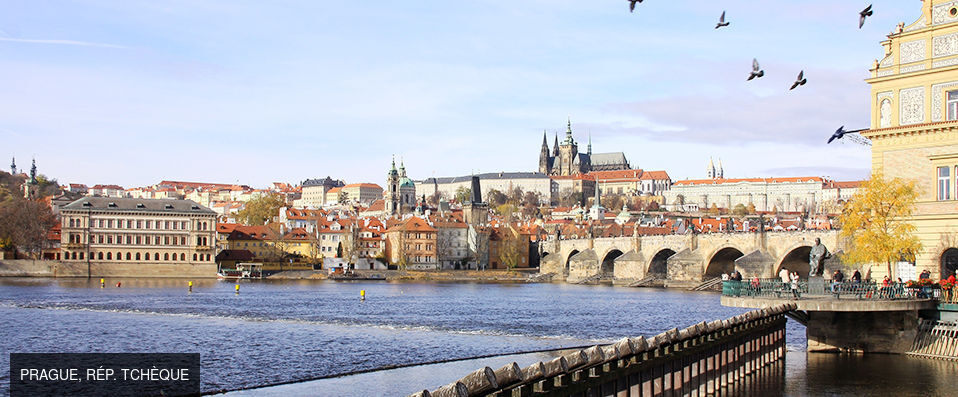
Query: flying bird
756,70
632,5
801,80
721,22
867,12
839,133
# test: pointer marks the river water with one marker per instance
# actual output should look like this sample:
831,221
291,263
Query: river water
276,332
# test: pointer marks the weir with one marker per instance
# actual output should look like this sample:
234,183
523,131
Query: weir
708,358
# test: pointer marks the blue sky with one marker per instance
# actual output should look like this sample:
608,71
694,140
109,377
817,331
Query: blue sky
133,92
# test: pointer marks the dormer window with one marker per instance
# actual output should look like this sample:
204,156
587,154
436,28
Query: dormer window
111,205
169,206
87,204
140,205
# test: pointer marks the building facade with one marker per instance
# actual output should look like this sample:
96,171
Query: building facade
123,230
914,125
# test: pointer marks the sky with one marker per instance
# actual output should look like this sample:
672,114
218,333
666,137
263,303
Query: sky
134,92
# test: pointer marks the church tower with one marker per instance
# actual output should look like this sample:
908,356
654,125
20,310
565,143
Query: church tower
568,152
392,190
710,170
545,161
13,166
721,171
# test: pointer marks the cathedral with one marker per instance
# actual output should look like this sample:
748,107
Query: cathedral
565,159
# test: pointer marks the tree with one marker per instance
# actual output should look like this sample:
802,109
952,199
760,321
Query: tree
875,221
463,194
261,210
434,199
530,204
740,210
506,211
24,224
496,198
510,248
750,209
714,210
339,250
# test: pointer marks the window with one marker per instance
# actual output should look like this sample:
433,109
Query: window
952,105
166,256
127,256
137,256
944,183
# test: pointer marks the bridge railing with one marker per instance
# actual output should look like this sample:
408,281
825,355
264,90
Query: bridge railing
865,290
703,359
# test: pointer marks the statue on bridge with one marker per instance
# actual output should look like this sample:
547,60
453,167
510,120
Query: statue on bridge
817,257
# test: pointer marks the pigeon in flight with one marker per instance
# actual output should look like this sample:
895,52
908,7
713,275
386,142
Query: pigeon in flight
801,80
839,133
721,22
867,12
756,70
632,5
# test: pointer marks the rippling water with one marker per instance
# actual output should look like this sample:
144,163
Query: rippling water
275,332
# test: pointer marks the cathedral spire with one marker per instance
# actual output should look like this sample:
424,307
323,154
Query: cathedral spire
590,143
568,132
545,143
555,147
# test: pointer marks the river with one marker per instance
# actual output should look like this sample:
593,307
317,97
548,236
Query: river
289,331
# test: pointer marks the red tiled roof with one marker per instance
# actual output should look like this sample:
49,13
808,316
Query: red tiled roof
617,175
656,175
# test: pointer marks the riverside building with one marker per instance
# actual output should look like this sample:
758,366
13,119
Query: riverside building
914,125
106,230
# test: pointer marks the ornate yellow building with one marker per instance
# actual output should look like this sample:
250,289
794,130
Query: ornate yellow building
914,125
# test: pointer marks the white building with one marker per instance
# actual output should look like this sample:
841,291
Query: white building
504,182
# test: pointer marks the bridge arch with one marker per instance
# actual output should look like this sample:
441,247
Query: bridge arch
796,260
949,262
722,261
568,260
658,265
607,266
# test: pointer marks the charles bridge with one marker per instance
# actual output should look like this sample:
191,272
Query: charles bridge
683,259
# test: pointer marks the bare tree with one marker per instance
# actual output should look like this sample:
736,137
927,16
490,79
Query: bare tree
25,224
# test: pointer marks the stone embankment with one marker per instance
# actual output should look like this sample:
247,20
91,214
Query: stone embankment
46,268
518,276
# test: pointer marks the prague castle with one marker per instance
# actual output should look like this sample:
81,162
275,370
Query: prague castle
565,159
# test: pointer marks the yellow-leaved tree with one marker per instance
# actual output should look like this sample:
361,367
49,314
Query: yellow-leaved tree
875,222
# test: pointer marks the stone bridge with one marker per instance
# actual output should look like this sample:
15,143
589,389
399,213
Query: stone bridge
684,259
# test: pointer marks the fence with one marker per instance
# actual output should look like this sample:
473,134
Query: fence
706,358
866,290
936,339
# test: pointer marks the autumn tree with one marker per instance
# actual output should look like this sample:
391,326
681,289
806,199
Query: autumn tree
875,222
496,198
530,204
507,212
24,224
740,210
510,247
463,194
714,210
261,210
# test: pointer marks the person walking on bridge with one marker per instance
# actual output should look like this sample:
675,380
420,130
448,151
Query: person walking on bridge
783,274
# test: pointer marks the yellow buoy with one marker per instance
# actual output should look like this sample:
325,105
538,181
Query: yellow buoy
362,294
237,288
191,286
102,283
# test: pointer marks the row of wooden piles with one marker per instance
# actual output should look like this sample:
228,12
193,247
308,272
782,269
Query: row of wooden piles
700,360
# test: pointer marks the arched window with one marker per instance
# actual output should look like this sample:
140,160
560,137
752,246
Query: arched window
109,256
137,256
81,255
72,255
71,222
182,257
127,256
119,256
194,257
156,256
166,256
99,256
